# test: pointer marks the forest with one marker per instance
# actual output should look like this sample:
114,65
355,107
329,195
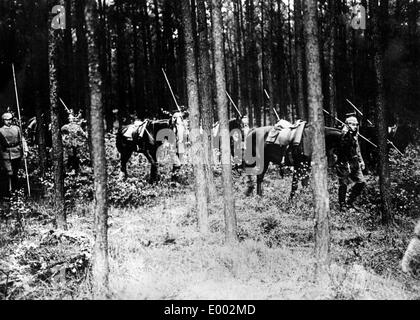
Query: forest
145,125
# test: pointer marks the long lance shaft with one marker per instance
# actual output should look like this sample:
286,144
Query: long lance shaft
360,112
367,140
20,125
233,103
67,109
268,97
170,88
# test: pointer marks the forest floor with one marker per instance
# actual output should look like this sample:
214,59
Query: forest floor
156,251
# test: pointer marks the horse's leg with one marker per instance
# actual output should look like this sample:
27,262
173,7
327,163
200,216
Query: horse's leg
304,174
260,178
295,182
125,156
175,167
250,185
153,166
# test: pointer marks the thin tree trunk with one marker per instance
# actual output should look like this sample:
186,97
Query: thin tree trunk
55,40
301,105
221,98
381,126
239,54
331,77
319,159
204,79
100,266
198,158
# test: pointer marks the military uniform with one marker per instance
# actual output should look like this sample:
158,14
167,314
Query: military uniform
12,149
350,164
74,142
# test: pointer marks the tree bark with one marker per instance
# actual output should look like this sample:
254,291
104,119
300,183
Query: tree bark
331,76
221,99
316,119
100,266
301,105
204,79
197,148
55,40
381,126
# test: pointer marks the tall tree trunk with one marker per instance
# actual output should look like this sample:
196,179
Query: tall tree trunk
122,58
270,80
100,267
221,98
301,105
239,53
198,159
55,40
316,119
204,79
68,58
331,76
81,58
381,126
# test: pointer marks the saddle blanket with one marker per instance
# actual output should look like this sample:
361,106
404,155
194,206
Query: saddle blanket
284,133
138,127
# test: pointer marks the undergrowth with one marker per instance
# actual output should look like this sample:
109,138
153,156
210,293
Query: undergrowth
156,251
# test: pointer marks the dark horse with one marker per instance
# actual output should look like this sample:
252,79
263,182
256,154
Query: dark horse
297,156
400,135
148,141
32,134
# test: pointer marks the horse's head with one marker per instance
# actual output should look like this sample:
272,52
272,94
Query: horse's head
401,136
241,123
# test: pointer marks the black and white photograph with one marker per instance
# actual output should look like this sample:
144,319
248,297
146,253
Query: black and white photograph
228,151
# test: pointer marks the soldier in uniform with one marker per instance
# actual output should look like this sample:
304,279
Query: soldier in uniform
12,149
74,141
350,164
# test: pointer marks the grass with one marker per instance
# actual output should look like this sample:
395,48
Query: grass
156,252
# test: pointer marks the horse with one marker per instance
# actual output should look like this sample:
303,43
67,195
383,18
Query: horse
147,137
297,156
399,135
31,132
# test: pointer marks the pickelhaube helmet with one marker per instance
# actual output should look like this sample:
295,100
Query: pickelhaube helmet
7,116
351,118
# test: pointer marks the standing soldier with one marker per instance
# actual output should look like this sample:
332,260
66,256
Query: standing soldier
12,148
75,142
350,164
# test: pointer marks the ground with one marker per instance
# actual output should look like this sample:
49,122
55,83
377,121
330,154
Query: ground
156,251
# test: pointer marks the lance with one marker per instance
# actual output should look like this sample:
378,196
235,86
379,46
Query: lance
20,125
360,112
67,109
233,103
170,88
367,140
277,115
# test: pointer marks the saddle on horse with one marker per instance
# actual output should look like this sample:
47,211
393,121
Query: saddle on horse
285,133
136,130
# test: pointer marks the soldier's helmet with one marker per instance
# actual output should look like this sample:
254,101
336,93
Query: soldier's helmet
7,116
352,120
